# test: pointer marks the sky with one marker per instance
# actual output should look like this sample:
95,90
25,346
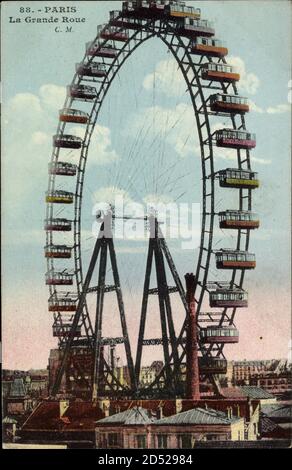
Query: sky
138,123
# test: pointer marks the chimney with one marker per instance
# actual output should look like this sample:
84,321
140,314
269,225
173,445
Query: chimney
229,412
106,408
178,405
192,379
160,412
63,407
238,411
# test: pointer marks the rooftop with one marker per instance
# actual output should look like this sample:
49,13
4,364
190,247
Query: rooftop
198,416
134,416
256,392
277,410
247,391
80,416
9,420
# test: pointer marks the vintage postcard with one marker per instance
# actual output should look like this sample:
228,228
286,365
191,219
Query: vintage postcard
146,284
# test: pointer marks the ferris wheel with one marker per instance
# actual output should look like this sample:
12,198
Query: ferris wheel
211,84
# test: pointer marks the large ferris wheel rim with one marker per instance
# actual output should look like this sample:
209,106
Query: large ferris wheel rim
165,29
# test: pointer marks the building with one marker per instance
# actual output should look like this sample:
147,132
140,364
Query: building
277,384
17,401
271,431
125,430
63,422
32,384
250,392
262,373
276,420
21,392
9,426
149,373
37,386
138,428
183,430
244,370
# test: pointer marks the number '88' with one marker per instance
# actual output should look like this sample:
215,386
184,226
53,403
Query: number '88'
24,10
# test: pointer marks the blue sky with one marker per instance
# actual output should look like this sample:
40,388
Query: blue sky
38,64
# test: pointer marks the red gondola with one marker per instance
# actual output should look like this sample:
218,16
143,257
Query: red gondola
208,46
225,103
64,330
73,115
82,92
91,70
234,219
98,50
128,23
212,365
58,225
219,334
63,303
219,72
114,33
191,28
228,298
58,251
63,278
67,141
235,259
232,138
62,169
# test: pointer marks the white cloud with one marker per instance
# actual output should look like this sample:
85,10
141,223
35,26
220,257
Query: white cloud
231,155
24,102
29,122
52,96
254,107
225,154
28,237
261,161
157,199
109,194
100,150
167,79
280,108
39,138
177,126
249,82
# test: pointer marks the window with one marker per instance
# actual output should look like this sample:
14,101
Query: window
185,441
113,439
162,441
141,441
211,437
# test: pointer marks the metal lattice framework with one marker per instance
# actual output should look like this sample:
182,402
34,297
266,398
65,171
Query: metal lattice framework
138,28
